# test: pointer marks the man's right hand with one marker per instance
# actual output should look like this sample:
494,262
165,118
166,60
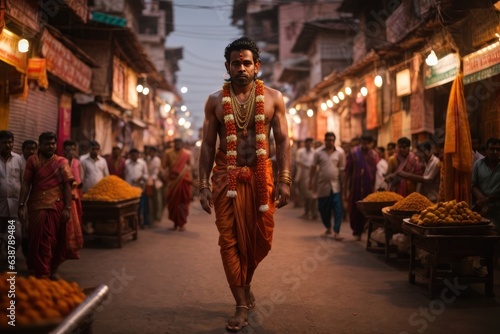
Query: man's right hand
206,200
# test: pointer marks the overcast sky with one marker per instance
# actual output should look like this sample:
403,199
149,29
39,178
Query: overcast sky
203,29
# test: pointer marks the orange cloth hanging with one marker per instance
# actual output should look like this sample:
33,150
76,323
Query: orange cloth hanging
457,164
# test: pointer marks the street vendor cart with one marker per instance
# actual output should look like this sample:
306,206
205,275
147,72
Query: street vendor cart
112,220
449,243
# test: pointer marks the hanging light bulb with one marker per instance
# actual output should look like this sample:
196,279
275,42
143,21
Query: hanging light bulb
23,45
329,103
431,59
341,95
363,91
139,88
145,91
323,106
378,81
336,99
348,91
310,112
292,111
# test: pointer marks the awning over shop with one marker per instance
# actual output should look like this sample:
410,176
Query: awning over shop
312,28
79,7
139,123
63,63
295,69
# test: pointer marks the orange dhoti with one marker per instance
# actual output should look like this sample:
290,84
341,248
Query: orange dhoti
245,233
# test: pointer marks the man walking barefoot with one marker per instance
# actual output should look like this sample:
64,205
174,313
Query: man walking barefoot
241,115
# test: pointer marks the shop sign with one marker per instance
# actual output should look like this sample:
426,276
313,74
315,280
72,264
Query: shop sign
25,13
62,63
9,52
64,126
403,84
482,64
445,71
109,19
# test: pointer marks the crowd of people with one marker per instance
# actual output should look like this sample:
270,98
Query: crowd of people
41,192
330,179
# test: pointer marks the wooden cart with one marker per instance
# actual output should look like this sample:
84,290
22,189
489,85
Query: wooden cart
112,220
449,243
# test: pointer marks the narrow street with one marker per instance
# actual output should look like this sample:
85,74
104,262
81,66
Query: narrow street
173,282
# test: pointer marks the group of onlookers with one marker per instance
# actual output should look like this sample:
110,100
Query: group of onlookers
330,179
41,192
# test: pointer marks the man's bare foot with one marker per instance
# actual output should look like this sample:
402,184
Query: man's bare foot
249,297
239,320
181,229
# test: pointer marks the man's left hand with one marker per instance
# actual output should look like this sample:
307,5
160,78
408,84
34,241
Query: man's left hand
65,215
282,195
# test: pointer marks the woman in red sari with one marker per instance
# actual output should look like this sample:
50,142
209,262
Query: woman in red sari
49,177
179,184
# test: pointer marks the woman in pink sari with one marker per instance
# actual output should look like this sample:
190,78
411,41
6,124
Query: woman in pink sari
49,177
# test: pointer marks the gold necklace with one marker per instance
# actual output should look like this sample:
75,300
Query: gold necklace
243,111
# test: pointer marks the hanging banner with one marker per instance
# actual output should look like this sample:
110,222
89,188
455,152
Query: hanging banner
64,64
403,84
482,64
371,103
9,52
445,71
422,114
64,123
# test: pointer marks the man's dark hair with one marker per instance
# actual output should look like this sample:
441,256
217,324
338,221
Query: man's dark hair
381,149
309,140
134,150
330,134
68,142
243,43
367,138
94,143
176,140
391,145
404,141
47,136
5,134
492,141
29,142
425,146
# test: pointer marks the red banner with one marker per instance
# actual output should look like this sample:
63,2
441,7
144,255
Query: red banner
64,64
371,104
64,123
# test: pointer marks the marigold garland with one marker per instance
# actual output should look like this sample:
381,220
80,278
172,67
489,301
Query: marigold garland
260,137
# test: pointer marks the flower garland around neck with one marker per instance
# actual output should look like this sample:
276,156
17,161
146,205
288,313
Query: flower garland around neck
260,137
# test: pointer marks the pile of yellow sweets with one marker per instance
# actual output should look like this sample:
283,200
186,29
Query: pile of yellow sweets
414,202
383,196
111,189
39,300
451,212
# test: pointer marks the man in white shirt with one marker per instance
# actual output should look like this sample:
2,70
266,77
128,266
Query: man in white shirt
304,161
154,184
326,176
11,169
136,174
94,166
382,166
